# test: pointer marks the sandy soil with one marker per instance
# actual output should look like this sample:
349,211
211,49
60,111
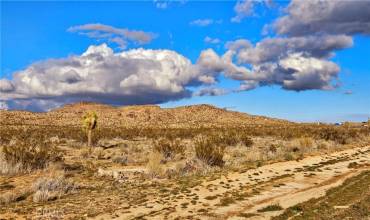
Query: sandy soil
234,195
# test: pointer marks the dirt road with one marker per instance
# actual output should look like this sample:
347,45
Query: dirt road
243,194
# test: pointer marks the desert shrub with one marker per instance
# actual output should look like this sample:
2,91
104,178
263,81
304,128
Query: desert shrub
154,166
120,160
30,155
289,156
14,196
324,145
254,154
287,131
208,151
43,196
7,168
270,208
8,197
169,148
99,153
230,138
246,140
306,142
51,188
226,138
273,148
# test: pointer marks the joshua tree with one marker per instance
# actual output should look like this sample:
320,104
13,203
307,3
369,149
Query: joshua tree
89,123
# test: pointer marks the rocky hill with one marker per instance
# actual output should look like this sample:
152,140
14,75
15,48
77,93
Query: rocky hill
138,116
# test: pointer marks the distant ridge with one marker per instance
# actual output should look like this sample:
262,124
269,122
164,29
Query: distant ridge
203,115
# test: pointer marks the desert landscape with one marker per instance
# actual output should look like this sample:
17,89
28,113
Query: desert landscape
185,110
191,162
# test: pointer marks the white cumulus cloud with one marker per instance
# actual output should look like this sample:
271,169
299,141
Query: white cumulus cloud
137,76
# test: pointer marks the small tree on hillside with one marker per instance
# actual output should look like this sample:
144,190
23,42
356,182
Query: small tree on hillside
89,123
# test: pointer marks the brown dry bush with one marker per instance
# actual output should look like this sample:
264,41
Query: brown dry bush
209,151
338,134
14,196
246,140
306,142
51,188
30,154
169,147
154,166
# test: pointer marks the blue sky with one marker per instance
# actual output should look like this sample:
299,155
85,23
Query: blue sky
39,31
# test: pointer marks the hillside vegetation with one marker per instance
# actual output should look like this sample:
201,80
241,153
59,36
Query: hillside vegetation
188,162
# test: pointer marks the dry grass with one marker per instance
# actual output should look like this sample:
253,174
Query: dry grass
154,166
8,197
210,151
306,142
14,196
7,168
52,187
27,155
169,148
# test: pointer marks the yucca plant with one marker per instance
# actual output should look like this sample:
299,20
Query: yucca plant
89,123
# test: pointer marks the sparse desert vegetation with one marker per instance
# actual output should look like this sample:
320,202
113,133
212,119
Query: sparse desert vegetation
190,162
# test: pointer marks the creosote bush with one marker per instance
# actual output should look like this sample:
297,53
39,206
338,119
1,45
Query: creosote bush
51,188
209,151
246,140
169,148
29,155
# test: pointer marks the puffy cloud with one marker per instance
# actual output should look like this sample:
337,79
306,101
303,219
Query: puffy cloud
238,44
248,85
210,91
136,76
245,8
297,63
210,40
300,60
6,85
271,49
325,16
307,73
121,36
211,64
298,57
